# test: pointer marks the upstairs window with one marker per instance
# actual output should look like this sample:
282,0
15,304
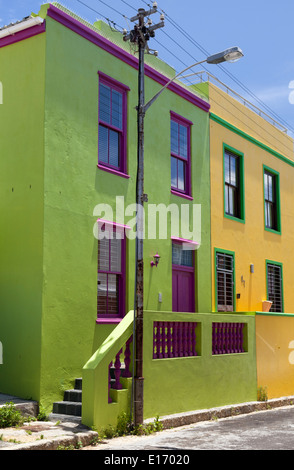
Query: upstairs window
112,151
180,155
271,200
234,185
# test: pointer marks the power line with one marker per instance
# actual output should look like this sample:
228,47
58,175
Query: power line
237,81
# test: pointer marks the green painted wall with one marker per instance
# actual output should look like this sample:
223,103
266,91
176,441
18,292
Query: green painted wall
74,186
205,381
49,268
22,73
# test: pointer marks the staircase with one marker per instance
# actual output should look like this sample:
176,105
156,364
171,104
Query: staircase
72,402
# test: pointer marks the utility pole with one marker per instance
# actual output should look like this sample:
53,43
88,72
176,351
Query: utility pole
140,35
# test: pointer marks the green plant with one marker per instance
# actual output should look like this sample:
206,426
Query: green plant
10,416
61,447
148,428
123,424
42,415
262,394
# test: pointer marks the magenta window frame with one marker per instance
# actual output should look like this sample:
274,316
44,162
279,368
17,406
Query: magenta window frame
106,317
113,84
180,268
187,191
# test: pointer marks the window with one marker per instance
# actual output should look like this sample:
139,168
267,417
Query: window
180,155
111,272
271,200
112,151
275,285
234,184
225,291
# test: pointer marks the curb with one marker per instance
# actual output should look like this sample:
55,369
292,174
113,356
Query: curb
192,417
87,437
80,439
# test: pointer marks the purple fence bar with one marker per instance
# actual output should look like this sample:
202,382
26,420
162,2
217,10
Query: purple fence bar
174,339
227,338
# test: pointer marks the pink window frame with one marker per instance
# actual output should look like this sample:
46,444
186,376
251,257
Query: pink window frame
123,89
187,192
188,269
112,318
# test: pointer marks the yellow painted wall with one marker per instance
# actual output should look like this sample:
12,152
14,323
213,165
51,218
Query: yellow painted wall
250,241
275,354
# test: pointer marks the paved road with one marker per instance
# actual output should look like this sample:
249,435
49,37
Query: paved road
263,430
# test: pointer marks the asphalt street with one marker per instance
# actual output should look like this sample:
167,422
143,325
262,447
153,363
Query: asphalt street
262,430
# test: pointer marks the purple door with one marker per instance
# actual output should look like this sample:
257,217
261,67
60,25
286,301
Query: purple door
183,288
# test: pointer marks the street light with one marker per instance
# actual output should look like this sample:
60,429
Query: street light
229,55
140,35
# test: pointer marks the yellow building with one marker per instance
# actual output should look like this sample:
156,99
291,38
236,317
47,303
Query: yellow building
252,229
252,211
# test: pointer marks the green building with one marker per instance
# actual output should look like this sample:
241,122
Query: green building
68,156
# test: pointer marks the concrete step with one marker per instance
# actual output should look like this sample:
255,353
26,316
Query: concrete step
73,395
67,408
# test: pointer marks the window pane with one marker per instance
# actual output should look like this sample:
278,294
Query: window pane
181,175
232,208
183,142
233,171
181,257
103,144
115,255
103,254
270,188
113,148
102,293
174,172
227,199
104,103
116,109
187,258
227,168
174,137
266,186
176,253
113,290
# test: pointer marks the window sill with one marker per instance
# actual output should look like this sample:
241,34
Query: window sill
272,230
236,219
113,171
185,196
108,321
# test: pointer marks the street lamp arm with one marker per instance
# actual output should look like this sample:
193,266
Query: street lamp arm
230,55
150,102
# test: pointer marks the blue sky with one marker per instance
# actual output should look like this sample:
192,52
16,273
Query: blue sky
263,29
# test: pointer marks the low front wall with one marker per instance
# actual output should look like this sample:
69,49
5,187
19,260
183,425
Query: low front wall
179,384
275,353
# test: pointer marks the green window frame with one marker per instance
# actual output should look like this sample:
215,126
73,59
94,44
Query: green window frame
234,187
271,198
274,285
223,274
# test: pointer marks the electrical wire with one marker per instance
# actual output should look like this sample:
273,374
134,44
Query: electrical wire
237,81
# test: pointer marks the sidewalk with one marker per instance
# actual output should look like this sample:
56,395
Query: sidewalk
67,432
